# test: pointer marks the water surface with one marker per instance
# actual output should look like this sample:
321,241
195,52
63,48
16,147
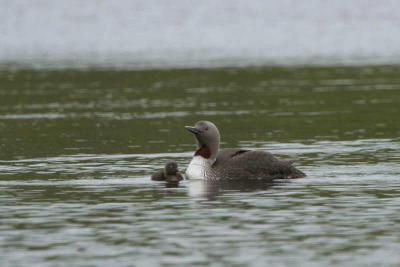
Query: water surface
77,149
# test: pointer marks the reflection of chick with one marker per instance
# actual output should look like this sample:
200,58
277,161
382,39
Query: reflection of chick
170,173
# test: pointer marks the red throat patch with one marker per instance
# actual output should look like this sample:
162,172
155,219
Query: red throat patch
203,151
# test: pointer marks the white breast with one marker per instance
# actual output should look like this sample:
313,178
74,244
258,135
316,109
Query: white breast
198,168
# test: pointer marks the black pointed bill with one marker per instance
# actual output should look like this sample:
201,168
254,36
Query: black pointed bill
192,129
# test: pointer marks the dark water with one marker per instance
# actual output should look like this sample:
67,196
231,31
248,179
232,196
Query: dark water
77,149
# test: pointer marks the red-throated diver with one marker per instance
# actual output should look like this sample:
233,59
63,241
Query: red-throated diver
169,173
210,163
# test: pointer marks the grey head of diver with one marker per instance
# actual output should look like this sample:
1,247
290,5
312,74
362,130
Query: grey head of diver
208,139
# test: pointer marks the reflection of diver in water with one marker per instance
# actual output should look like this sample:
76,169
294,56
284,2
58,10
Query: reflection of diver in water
210,189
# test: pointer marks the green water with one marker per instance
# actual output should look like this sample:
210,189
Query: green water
77,148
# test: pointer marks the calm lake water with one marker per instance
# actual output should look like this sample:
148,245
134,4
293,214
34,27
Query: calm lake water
77,149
